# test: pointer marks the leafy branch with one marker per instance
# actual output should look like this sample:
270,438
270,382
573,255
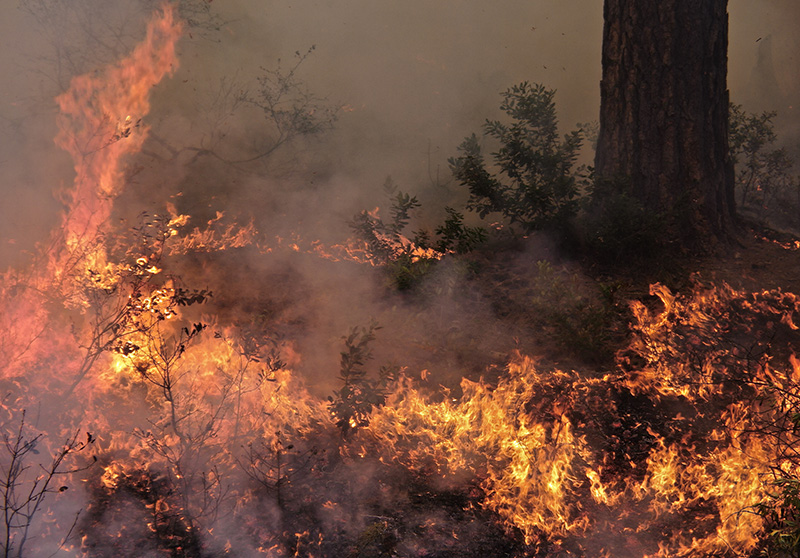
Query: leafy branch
359,394
530,180
410,258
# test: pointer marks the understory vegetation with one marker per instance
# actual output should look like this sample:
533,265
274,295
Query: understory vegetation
530,181
236,453
767,186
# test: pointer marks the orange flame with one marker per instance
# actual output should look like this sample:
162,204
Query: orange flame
101,122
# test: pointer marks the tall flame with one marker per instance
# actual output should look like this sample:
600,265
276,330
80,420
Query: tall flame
101,120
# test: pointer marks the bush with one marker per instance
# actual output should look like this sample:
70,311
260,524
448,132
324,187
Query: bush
359,393
409,259
617,230
531,180
781,510
591,326
765,186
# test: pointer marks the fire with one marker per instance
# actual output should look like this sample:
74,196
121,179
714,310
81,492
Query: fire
101,122
207,440
526,440
351,250
215,237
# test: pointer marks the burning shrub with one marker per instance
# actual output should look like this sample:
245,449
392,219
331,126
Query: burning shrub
135,513
211,446
359,395
731,355
781,510
408,260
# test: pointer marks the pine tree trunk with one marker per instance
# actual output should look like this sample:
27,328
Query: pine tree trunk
664,112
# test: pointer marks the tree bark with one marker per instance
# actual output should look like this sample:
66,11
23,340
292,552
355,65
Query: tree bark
664,112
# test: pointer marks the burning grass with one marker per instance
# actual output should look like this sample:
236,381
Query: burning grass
207,441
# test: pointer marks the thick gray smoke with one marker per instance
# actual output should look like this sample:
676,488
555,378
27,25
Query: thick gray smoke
765,63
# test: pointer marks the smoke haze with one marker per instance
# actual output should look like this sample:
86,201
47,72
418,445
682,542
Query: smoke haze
411,78
406,81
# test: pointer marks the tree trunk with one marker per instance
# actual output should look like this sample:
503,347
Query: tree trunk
664,113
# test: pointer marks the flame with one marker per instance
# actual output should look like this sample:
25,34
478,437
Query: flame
215,237
525,439
98,127
100,123
527,465
351,250
666,456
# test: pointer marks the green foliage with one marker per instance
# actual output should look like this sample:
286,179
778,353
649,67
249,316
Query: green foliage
409,259
359,394
531,180
385,240
764,183
386,244
455,236
591,132
782,513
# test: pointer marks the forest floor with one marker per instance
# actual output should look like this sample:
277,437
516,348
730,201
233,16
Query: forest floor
763,260
570,314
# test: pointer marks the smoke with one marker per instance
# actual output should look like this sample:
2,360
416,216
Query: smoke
410,79
406,82
763,53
